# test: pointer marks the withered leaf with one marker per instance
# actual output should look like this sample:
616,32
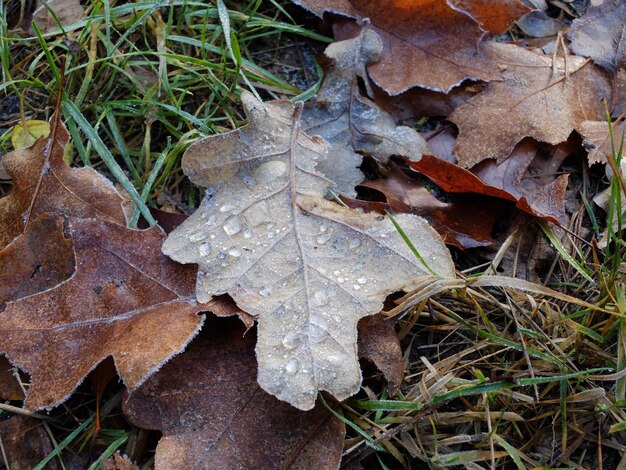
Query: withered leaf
427,43
504,181
9,386
213,414
352,123
35,261
116,303
378,343
25,443
494,16
42,182
600,34
307,268
597,139
532,101
66,11
465,223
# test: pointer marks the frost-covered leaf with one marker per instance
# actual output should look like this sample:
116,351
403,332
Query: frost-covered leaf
125,300
352,123
427,43
42,182
307,268
601,34
535,100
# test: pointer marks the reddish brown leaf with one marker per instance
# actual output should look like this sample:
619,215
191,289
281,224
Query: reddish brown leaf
9,387
25,443
600,34
42,182
124,300
213,414
496,17
405,194
37,260
378,343
426,42
464,223
504,181
531,102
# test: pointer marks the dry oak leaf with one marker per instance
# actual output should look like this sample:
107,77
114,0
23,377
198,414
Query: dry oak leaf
308,269
532,101
597,139
378,343
601,34
42,182
9,386
427,43
213,414
493,16
37,260
25,443
353,124
124,300
466,222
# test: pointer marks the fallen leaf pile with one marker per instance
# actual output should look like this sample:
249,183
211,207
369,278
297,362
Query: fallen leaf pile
313,215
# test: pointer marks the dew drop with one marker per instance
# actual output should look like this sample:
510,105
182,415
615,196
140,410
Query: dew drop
320,297
323,228
233,225
265,291
221,255
354,243
292,340
337,318
211,220
340,280
323,238
356,287
205,249
234,252
337,272
197,236
227,208
362,280
292,367
247,233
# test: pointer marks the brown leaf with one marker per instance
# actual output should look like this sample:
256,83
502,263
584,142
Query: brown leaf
496,17
351,123
599,34
307,268
506,180
37,260
464,223
378,343
597,139
532,101
42,182
115,304
426,42
9,386
25,443
66,11
213,414
118,462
